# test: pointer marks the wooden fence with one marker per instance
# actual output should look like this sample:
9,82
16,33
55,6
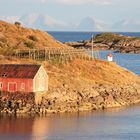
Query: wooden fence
55,53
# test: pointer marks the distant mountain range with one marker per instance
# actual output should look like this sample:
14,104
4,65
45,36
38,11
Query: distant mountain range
46,22
127,25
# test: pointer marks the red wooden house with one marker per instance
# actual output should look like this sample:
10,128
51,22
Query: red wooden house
23,78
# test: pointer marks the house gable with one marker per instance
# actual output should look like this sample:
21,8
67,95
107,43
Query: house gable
40,81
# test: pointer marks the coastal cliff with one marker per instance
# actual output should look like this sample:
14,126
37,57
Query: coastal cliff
110,41
77,85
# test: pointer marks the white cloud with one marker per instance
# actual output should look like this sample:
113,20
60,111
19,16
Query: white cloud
81,2
43,1
104,2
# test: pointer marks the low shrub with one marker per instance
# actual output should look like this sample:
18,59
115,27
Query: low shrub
17,23
29,44
33,38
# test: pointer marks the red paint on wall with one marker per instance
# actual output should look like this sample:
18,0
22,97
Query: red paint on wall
12,87
16,84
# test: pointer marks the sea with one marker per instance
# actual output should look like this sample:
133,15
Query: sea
111,124
129,61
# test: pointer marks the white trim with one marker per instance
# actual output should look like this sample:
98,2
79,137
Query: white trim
12,83
41,67
22,86
34,84
34,79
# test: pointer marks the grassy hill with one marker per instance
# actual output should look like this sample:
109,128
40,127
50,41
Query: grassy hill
113,37
14,37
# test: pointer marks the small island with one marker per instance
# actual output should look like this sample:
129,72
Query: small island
110,41
76,82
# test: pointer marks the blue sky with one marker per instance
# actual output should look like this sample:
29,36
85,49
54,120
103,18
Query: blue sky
68,14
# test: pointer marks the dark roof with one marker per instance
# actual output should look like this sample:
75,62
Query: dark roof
18,70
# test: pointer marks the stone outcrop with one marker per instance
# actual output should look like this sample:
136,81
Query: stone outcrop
106,41
93,98
62,100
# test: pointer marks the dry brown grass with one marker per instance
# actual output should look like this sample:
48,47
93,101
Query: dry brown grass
17,37
79,72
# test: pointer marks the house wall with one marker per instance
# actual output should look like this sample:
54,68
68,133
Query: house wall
40,81
22,85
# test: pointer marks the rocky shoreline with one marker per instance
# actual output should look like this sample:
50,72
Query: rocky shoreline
110,41
64,100
94,97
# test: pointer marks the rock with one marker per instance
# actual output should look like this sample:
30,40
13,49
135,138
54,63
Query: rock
112,41
99,100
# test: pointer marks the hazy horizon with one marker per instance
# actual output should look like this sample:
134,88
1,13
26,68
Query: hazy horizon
74,15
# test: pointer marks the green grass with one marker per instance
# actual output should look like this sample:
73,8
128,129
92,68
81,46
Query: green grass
112,37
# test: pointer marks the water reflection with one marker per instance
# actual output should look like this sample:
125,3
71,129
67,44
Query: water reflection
13,125
40,128
120,123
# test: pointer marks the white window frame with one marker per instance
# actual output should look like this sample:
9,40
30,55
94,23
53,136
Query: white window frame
22,86
12,83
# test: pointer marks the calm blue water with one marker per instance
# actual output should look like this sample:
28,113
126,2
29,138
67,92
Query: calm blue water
129,61
114,124
77,36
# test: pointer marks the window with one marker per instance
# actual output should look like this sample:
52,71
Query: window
22,87
12,86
